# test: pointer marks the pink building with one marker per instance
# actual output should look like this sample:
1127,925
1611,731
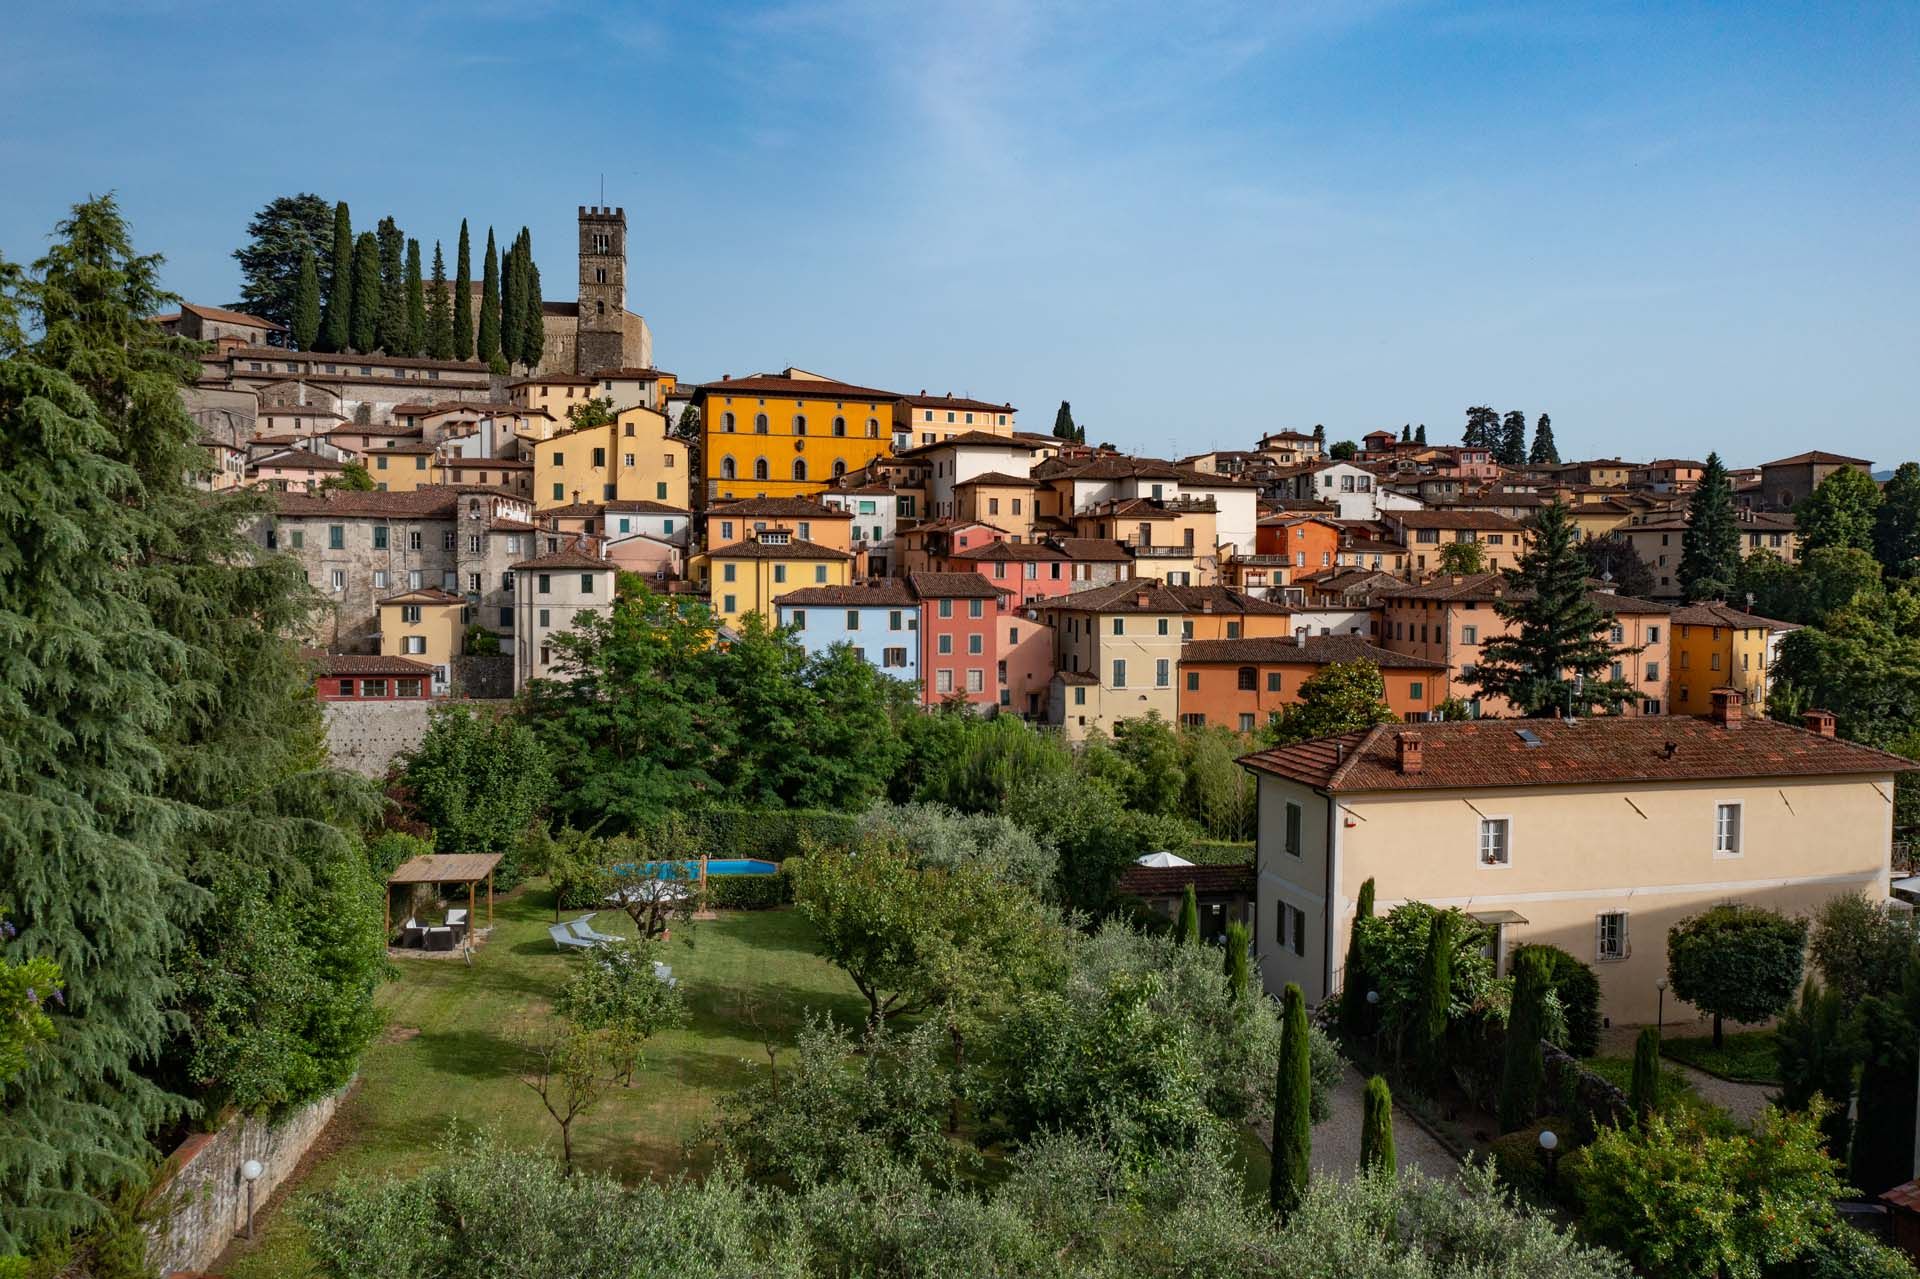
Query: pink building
1027,571
959,642
1025,663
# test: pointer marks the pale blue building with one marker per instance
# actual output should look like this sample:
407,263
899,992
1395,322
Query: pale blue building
879,618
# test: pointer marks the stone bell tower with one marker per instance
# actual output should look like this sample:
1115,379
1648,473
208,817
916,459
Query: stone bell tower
601,343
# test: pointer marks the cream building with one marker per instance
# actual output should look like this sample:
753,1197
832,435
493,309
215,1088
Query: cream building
1125,638
551,592
1596,836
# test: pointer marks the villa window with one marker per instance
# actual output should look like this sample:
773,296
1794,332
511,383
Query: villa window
760,468
1495,841
728,470
1610,936
799,468
760,424
799,424
726,423
1248,679
1295,816
839,426
1726,830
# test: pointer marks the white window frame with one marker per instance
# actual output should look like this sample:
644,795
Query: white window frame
1738,841
1505,825
1624,946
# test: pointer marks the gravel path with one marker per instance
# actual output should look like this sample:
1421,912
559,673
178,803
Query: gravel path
1336,1143
1742,1101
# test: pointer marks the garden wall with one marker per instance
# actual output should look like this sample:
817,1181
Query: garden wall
198,1204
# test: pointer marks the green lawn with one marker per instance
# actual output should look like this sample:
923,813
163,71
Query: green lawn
1746,1057
450,1053
1678,1096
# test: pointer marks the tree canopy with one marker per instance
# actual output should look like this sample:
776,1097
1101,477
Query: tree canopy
1710,547
286,232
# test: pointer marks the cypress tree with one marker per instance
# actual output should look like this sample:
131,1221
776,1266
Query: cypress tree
1236,961
1406,433
1436,997
1355,1015
1376,1129
1710,548
1512,447
513,298
1644,1094
439,310
336,327
1320,436
416,303
306,304
1420,433
1525,1070
1544,452
392,317
1187,933
1292,1107
1883,1137
365,335
533,334
1063,427
489,345
463,298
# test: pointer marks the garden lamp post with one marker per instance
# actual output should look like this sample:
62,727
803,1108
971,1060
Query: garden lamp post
1373,1015
1662,984
250,1172
1549,1146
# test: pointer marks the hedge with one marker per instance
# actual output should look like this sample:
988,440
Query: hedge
748,892
1219,852
770,834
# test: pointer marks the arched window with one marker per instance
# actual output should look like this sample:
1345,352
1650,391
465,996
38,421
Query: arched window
1247,679
839,468
599,308
799,468
759,423
799,424
759,468
727,469
873,427
839,426
726,423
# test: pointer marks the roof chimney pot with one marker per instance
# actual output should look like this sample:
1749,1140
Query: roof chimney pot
1727,707
1818,721
1409,753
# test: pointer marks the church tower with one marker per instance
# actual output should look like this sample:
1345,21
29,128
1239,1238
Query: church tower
601,342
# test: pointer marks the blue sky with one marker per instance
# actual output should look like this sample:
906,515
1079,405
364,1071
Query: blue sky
1673,227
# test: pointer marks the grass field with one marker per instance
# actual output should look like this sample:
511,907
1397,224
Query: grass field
1746,1057
450,1055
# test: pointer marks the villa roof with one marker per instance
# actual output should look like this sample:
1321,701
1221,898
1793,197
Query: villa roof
958,402
954,586
1011,551
793,548
567,557
362,664
1718,613
885,592
1135,595
1316,650
1818,458
424,595
779,507
794,388
1172,881
1224,599
1002,479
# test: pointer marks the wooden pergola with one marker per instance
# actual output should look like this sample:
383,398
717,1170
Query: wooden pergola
446,868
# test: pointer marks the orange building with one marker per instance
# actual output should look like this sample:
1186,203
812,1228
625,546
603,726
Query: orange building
1240,683
1306,542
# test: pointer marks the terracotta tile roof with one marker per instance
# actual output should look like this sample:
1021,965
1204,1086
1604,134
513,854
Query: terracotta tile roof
427,501
1011,552
226,317
645,506
1137,595
936,586
1075,677
297,410
1102,550
1473,519
955,402
794,388
574,511
1717,613
566,557
372,429
404,450
1315,650
325,664
424,595
1818,458
554,379
632,375
880,593
512,526
1484,587
1172,881
1224,599
334,357
804,508
968,439
1002,479
301,460
1490,754
794,548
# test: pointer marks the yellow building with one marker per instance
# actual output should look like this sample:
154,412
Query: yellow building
423,625
746,576
806,519
631,458
1715,646
554,393
789,434
928,419
402,468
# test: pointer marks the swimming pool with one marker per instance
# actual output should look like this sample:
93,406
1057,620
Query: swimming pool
690,869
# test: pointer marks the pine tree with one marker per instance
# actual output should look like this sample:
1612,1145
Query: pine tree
1376,1129
1483,427
1512,448
416,304
1436,996
1292,1107
1187,932
336,326
365,335
283,232
1644,1094
533,333
463,299
1559,635
1525,1069
488,349
1710,548
513,297
1544,451
306,304
1355,1014
1320,437
1420,433
392,318
439,306
1237,965
1063,428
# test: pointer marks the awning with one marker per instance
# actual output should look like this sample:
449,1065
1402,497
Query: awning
1908,886
1496,917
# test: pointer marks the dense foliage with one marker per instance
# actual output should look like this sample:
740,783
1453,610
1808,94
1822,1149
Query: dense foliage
1338,698
1738,962
478,781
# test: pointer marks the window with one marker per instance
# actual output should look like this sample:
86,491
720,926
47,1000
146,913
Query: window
473,543
1119,673
760,424
410,614
338,579
779,572
1193,681
798,619
1469,635
976,608
759,468
976,680
473,583
1617,634
944,646
413,644
1079,695
1246,721
415,579
1650,707
346,688
380,579
1119,626
1273,681
893,620
799,424
1162,628
1299,930
1495,841
296,539
727,571
1249,679
726,604
943,680
946,608
800,471
893,657
1653,670
373,688
413,540
1610,936
336,537
819,573
976,645
1726,830
1295,815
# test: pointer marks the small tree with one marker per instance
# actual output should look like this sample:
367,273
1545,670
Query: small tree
353,478
416,330
568,1070
1577,989
477,780
1337,698
617,993
1355,1015
1188,930
1842,511
1644,1095
1420,433
1238,968
1526,1026
1860,947
594,412
1463,558
1816,1049
1436,994
1376,1129
1292,1107
1544,451
1343,450
1063,428
1742,962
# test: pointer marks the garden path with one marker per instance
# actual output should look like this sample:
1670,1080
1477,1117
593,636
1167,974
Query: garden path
1336,1143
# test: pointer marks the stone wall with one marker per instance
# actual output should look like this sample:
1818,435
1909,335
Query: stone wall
365,737
199,1203
485,676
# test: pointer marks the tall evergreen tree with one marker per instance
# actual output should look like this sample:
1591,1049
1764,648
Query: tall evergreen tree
1896,526
533,333
1355,1014
1483,425
279,237
1435,996
1406,433
1841,512
306,304
1544,451
1187,931
1420,433
1511,450
1558,638
1376,1129
439,306
1525,1070
336,326
1644,1094
1320,436
1883,1137
513,298
488,349
392,317
1710,547
365,329
1237,965
1292,1107
1063,428
463,298
416,303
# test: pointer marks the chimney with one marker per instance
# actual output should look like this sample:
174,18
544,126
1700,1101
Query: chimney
1409,752
1141,599
1818,721
1726,707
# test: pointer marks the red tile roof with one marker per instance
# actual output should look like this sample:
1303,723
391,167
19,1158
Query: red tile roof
567,557
424,595
1136,595
1002,479
794,548
954,586
1011,551
1313,650
1717,613
226,317
1172,881
325,664
794,388
883,592
801,508
951,401
1102,550
1818,458
1224,599
1473,519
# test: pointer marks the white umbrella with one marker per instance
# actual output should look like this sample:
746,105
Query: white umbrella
1162,859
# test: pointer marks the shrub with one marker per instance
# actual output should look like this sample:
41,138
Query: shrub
1393,950
1735,961
770,834
1521,1080
1578,990
1219,852
1816,1051
1860,947
749,892
935,835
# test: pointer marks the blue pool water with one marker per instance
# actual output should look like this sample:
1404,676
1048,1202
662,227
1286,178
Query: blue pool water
691,869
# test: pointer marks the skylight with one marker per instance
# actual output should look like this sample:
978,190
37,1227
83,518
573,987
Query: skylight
1528,737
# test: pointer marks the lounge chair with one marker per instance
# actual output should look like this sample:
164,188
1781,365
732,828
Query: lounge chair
565,940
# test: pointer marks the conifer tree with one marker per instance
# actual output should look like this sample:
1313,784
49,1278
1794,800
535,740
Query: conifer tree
336,326
1187,932
1544,451
1559,636
416,303
1483,427
1896,525
1355,1017
365,332
1292,1107
439,306
1435,1006
533,334
1525,1070
285,230
463,298
306,304
1512,447
1320,436
1376,1129
1406,433
513,298
1238,968
1644,1095
488,348
392,319
1063,428
1420,433
1710,548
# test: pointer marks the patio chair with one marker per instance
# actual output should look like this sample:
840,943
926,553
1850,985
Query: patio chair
412,934
457,920
566,940
440,938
